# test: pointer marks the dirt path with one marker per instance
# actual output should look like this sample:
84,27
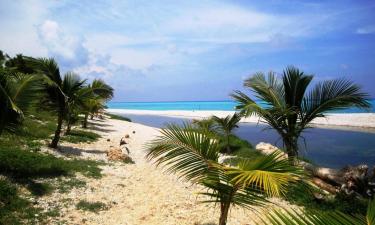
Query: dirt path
137,193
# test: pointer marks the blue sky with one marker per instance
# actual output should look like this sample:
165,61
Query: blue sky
193,50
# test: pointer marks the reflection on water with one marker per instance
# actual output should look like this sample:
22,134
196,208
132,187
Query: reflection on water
325,147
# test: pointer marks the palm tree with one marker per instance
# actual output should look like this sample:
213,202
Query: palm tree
17,94
96,94
226,126
290,106
72,86
193,155
291,217
57,90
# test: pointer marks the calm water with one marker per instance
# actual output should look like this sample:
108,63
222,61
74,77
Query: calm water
325,147
195,105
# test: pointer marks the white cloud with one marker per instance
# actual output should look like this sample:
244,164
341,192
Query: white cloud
366,30
57,41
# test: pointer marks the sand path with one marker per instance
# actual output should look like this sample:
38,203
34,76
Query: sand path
138,193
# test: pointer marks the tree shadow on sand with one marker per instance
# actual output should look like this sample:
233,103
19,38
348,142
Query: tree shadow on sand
68,151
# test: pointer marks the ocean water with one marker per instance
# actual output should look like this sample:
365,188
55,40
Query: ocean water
199,105
325,147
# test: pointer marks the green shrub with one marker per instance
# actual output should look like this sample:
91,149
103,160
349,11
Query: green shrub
91,206
117,117
77,136
25,164
14,209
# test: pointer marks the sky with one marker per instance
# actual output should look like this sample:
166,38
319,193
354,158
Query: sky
197,49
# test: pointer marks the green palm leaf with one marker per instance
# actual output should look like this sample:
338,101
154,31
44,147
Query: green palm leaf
293,217
182,150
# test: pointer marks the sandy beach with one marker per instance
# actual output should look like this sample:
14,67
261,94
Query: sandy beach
347,121
136,193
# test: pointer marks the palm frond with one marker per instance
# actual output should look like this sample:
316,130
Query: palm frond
333,95
183,151
271,173
295,85
269,90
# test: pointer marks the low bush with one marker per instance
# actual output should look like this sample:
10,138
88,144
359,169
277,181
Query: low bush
77,136
91,206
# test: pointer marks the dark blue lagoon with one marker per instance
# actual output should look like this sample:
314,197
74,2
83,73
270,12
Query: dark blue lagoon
325,147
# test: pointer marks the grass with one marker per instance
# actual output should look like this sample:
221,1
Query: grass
15,209
78,136
24,167
91,206
304,196
117,117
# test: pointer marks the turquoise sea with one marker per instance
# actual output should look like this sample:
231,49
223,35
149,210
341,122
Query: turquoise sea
197,105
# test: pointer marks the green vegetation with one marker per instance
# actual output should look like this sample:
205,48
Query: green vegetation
35,102
290,106
91,206
13,208
118,117
193,155
225,127
77,136
309,217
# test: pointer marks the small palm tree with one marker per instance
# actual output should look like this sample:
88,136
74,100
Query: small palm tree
17,94
291,217
290,106
193,155
72,86
226,126
95,94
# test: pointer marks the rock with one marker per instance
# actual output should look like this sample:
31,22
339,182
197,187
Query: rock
116,154
122,142
127,136
267,148
225,158
133,131
108,139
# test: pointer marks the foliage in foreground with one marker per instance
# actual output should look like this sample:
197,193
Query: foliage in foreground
193,155
292,217
13,208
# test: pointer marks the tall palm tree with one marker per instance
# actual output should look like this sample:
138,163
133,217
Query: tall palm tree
193,155
226,126
57,90
291,217
291,106
17,94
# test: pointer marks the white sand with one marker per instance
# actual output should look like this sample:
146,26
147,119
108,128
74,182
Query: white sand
351,121
136,193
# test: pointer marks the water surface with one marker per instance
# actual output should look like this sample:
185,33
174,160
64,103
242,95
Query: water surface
326,147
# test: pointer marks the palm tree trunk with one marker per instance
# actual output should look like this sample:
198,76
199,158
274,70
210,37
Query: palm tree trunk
224,209
69,124
228,146
56,138
291,146
84,125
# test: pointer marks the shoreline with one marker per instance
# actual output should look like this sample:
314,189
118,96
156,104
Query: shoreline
364,122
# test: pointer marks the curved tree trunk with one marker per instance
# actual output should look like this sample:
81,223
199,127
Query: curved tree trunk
228,146
56,138
84,125
69,124
224,209
291,146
